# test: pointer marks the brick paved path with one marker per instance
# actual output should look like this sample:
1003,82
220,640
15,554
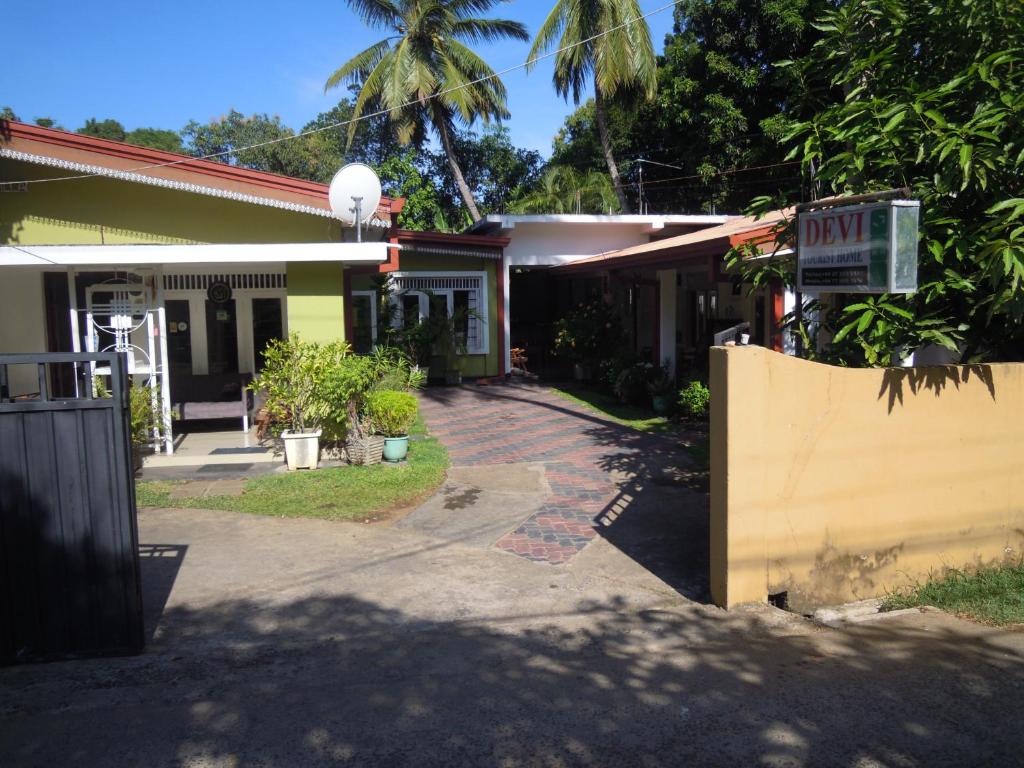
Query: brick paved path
512,423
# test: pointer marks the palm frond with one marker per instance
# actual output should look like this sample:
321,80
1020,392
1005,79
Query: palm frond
358,68
489,30
376,13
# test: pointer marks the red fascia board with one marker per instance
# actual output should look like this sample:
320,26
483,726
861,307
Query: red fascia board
147,156
452,239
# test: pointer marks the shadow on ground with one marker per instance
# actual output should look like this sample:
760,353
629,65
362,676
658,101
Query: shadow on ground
339,681
658,515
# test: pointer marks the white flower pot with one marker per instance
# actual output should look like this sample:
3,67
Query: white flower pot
744,338
301,449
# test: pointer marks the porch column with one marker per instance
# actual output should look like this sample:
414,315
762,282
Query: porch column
667,319
506,342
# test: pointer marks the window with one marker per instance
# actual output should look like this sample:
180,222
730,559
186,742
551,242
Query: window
419,295
364,321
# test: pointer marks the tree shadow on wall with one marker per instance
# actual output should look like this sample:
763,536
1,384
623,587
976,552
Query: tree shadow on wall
335,680
933,378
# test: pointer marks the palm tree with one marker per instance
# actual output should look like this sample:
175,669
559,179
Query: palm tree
425,73
621,61
562,189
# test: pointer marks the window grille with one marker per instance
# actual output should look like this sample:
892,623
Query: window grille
245,281
449,285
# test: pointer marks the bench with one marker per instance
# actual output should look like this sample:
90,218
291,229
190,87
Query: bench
212,396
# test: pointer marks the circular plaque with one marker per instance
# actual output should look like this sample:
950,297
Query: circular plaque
219,292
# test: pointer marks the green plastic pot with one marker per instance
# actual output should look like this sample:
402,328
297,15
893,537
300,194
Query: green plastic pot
395,448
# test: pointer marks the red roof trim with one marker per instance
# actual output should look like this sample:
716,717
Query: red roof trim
146,156
451,238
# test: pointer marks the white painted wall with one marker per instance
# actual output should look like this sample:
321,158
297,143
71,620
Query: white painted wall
667,322
22,323
534,244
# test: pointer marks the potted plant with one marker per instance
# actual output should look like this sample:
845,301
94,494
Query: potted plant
661,387
289,379
392,414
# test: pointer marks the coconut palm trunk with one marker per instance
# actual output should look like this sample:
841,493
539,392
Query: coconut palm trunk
444,132
606,147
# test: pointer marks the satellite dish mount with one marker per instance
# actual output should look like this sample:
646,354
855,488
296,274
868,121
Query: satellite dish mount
355,189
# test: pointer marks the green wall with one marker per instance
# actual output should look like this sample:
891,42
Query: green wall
316,301
100,210
472,365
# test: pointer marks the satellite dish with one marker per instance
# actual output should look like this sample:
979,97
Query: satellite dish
354,187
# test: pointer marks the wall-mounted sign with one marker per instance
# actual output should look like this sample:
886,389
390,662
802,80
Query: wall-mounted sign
869,248
219,291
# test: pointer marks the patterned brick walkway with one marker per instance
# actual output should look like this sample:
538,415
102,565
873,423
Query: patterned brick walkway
513,423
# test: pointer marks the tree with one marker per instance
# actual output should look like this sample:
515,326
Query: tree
562,189
226,135
47,122
156,138
8,114
621,61
103,129
427,74
495,170
401,177
930,97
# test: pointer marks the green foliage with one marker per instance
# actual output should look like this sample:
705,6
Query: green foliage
390,413
235,130
429,57
695,400
562,189
145,414
103,129
156,138
633,384
993,595
587,333
425,208
931,98
8,114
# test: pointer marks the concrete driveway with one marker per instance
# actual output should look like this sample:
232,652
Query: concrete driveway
284,642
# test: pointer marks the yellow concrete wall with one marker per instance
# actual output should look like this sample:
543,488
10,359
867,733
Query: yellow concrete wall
316,301
836,484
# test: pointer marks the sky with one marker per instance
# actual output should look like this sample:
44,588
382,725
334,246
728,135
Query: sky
160,65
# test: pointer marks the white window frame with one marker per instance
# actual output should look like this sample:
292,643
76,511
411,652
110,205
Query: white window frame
482,309
372,296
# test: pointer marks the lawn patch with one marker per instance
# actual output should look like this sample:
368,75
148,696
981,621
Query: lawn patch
340,493
641,419
993,595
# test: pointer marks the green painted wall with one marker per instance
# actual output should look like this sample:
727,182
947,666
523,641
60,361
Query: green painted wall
472,365
99,210
316,301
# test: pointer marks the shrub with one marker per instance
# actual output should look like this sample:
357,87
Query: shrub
632,384
694,400
587,332
392,414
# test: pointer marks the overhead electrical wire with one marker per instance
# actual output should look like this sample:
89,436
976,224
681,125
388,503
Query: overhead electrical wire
378,113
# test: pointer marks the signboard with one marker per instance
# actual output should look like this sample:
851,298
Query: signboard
868,248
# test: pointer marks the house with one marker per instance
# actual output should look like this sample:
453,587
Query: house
696,303
192,266
554,262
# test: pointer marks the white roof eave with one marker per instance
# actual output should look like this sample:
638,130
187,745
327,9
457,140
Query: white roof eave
222,253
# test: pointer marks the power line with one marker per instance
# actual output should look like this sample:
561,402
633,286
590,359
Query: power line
378,113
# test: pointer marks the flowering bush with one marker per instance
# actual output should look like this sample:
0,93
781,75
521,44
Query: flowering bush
586,334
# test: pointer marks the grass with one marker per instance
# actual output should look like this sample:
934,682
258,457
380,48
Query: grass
609,407
341,493
992,595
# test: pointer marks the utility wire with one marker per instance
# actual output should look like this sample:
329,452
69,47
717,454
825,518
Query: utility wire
378,113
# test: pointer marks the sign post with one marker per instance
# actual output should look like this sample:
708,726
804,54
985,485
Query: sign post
865,248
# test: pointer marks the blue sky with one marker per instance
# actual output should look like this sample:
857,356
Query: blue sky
162,64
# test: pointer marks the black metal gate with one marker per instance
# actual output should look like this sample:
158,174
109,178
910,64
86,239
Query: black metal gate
69,562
